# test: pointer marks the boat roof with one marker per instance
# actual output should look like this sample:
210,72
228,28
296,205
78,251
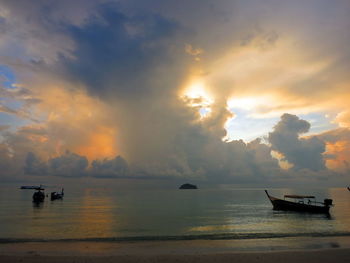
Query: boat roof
299,196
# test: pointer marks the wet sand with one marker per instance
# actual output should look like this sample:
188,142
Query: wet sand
174,251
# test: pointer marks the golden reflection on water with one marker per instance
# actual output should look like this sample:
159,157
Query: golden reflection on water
96,217
341,208
211,228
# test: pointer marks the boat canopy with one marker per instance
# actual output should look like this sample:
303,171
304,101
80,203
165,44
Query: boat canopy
299,196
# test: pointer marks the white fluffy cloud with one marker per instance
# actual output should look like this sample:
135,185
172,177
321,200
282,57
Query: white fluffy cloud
303,153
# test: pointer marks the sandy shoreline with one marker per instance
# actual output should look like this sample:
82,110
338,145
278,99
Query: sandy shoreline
176,251
314,256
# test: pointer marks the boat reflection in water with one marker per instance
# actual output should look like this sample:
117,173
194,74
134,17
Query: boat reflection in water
302,203
37,205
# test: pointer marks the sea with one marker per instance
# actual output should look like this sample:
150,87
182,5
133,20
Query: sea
99,213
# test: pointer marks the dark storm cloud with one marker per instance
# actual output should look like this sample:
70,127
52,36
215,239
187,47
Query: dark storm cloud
301,152
116,54
34,166
74,165
109,168
68,165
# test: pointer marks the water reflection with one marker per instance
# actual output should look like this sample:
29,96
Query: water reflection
302,222
38,205
95,216
101,212
341,209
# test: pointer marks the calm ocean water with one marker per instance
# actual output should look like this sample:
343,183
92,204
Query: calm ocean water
107,214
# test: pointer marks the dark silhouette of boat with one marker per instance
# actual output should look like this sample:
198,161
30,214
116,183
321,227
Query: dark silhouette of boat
29,187
349,188
188,186
56,195
39,196
301,203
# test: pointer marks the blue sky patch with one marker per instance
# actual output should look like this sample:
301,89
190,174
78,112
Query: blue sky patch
7,77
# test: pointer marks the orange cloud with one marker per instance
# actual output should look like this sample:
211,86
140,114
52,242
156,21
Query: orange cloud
340,156
343,119
100,144
70,119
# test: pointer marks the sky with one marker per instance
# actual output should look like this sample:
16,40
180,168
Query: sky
226,92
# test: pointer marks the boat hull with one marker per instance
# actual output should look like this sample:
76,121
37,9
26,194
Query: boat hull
38,197
291,206
55,196
279,204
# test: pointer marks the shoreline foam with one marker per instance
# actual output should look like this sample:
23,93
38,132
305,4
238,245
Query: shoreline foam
218,236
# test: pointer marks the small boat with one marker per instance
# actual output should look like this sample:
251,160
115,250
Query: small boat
302,203
56,195
39,196
349,188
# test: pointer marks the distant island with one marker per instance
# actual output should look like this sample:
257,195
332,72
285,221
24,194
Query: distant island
188,186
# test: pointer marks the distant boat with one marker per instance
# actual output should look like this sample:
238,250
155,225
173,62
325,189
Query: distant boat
302,203
39,196
29,187
188,186
55,195
349,188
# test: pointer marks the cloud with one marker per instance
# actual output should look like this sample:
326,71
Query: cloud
303,153
68,165
107,168
107,59
19,113
38,26
107,78
4,127
8,164
337,149
33,166
195,52
343,119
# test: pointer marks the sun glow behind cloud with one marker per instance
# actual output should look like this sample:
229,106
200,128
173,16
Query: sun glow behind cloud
264,78
255,105
196,96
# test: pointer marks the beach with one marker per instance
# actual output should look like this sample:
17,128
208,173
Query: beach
338,255
172,251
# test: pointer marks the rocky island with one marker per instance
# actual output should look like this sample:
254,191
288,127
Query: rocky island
188,186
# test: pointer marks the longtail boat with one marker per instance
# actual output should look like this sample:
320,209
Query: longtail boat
56,195
302,203
39,196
